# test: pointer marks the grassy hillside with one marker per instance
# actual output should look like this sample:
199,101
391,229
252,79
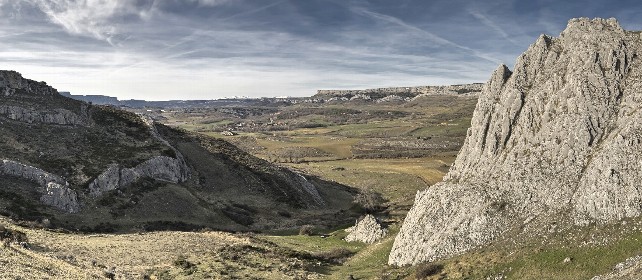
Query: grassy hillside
271,197
77,152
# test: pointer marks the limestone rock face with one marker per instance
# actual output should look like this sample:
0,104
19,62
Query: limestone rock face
555,141
159,168
107,181
56,116
54,189
61,197
12,83
368,230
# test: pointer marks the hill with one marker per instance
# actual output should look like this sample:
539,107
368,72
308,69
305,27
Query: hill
70,164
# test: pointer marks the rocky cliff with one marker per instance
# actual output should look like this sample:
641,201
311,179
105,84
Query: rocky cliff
554,143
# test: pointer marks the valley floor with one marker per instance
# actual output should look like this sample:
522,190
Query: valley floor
388,156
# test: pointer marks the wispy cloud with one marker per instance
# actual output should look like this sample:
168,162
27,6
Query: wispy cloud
88,17
430,36
214,48
490,23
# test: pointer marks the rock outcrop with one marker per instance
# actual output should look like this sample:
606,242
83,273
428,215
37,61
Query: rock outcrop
367,230
557,141
54,189
630,269
13,87
56,116
12,81
309,190
160,168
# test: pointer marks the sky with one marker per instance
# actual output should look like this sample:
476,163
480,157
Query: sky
210,49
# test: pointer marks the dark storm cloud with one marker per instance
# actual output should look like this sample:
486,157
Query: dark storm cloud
214,48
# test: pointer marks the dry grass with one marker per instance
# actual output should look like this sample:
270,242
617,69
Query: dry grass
214,255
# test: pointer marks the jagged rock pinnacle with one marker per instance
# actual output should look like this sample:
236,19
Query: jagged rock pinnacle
555,141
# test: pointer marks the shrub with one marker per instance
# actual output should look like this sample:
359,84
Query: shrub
369,200
284,213
12,235
335,256
427,269
306,230
188,267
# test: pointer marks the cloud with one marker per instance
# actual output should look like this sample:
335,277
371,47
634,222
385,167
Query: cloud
488,22
429,35
210,3
93,18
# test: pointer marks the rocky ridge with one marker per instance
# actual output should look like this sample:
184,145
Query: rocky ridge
555,143
96,168
12,84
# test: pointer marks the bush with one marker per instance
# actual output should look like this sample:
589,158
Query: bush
306,230
183,263
427,269
369,200
10,235
335,256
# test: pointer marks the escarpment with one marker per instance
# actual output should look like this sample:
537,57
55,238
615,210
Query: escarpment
556,141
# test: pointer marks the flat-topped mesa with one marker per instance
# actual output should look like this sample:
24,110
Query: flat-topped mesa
406,92
12,81
555,143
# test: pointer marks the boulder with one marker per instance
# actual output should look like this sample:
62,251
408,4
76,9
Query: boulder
367,230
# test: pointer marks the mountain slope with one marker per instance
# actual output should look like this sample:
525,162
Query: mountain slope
70,164
553,144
